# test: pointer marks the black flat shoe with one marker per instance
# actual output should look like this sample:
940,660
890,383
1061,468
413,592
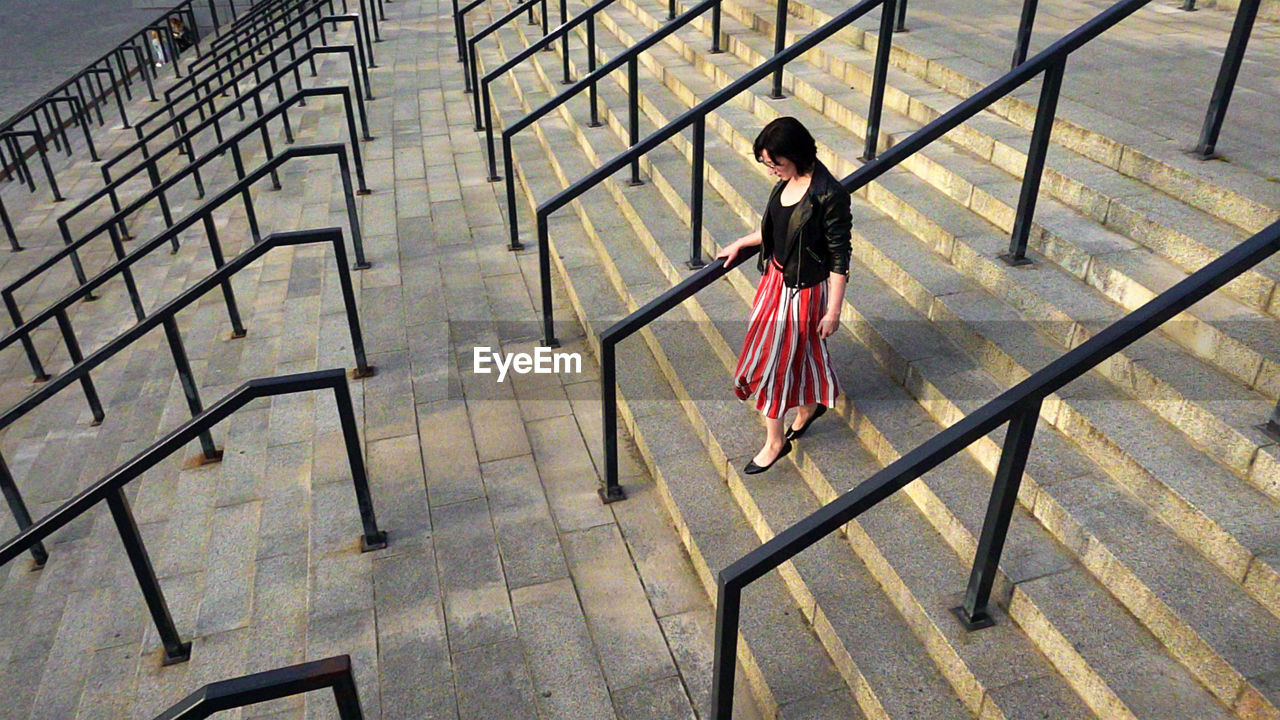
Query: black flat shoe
752,468
792,433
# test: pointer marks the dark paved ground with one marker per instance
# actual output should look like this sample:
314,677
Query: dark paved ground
42,43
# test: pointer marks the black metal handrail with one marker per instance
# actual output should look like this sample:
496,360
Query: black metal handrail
166,317
110,490
280,11
469,66
697,118
23,328
265,18
79,92
630,57
260,13
151,161
177,123
334,672
587,16
219,59
203,93
233,58
1019,406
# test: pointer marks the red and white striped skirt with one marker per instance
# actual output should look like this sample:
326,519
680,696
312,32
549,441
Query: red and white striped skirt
784,361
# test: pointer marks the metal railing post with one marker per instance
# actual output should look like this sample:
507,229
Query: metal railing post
593,92
779,44
37,368
1189,5
564,46
1226,82
73,350
21,516
883,45
509,164
633,115
671,9
8,228
715,30
135,299
1036,154
175,651
347,698
1025,25
695,200
228,294
372,538
724,665
363,369
612,491
353,215
1004,498
544,281
189,389
250,215
901,25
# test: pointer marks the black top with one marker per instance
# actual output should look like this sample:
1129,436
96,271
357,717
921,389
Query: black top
821,242
781,216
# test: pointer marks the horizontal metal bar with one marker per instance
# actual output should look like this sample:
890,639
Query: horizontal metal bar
52,386
261,687
164,447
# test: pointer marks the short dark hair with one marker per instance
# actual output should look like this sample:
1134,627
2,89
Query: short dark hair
786,137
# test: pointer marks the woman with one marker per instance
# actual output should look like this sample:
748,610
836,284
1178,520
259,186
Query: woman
804,256
178,29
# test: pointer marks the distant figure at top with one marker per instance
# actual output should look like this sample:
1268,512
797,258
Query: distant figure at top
157,47
181,36
805,239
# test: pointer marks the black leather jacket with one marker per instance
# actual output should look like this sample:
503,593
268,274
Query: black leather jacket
822,221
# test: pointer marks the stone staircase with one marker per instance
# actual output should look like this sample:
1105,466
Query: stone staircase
77,640
1140,577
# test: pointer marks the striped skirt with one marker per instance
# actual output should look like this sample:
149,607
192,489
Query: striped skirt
784,361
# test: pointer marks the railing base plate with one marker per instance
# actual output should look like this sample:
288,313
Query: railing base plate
368,372
365,191
1012,261
1270,429
695,264
982,620
611,495
378,542
183,655
196,461
39,379
515,248
237,334
363,265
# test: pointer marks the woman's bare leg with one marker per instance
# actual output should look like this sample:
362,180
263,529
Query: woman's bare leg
802,417
774,439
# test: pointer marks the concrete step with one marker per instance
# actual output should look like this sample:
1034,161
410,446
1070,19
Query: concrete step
1168,538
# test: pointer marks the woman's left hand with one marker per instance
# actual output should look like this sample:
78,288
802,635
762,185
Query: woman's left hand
828,325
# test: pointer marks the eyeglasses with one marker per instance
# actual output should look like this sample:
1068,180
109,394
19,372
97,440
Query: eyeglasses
771,166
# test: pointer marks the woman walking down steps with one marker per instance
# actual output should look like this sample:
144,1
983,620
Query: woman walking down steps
805,233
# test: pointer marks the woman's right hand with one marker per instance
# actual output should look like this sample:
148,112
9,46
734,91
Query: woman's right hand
730,252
